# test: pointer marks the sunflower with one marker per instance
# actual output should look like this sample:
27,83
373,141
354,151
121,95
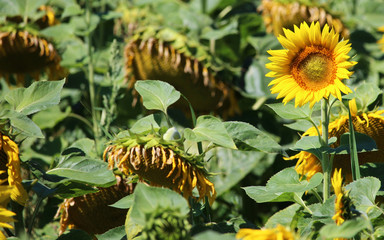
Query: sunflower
92,213
381,41
278,233
371,124
10,169
343,204
312,65
6,216
161,164
23,53
279,14
157,59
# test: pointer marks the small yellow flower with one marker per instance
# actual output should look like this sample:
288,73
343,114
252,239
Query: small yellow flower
10,173
278,233
311,66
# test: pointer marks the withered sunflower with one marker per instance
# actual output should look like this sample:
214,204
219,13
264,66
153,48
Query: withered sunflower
92,213
23,53
343,204
371,124
311,66
381,41
6,216
161,164
10,169
279,14
156,59
278,233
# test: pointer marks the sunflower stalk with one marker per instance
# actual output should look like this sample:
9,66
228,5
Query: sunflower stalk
353,149
325,161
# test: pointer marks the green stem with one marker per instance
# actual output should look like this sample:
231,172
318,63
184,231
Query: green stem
84,120
317,195
25,17
19,220
325,163
91,79
353,150
34,215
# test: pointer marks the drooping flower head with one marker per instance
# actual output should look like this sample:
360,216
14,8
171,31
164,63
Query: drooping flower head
161,163
279,14
6,216
370,123
10,169
343,204
92,213
278,233
381,41
312,65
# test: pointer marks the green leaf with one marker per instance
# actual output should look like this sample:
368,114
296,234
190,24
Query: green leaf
20,7
85,170
289,111
375,170
117,233
39,96
212,235
157,95
84,146
75,234
348,229
312,144
24,125
50,117
71,10
214,34
247,137
364,143
124,203
73,189
299,125
364,190
261,194
148,123
283,217
209,128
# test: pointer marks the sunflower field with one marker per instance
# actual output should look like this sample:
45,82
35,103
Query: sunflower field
191,119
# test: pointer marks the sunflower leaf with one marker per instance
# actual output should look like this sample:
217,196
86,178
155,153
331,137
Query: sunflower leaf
348,229
364,143
157,95
23,125
312,144
37,97
289,111
211,129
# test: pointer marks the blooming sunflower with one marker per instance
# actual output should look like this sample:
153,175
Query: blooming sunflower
162,164
343,204
371,124
311,66
6,216
23,53
278,14
278,233
157,59
92,213
381,41
10,169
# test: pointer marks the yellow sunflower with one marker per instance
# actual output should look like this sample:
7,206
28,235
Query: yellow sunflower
381,41
279,14
278,233
6,216
92,213
157,59
371,124
161,164
311,66
23,53
10,169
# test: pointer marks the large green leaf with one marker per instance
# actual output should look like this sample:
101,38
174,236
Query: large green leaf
124,203
364,143
24,125
148,123
283,217
85,170
117,233
348,229
247,137
50,117
312,144
212,235
39,96
209,128
20,7
157,95
289,111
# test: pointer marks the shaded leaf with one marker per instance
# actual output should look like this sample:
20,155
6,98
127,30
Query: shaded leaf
117,233
283,217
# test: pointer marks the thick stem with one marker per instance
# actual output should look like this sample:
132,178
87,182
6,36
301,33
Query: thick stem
91,79
325,162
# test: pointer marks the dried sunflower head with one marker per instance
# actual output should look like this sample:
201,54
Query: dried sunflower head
161,163
279,14
10,169
92,213
171,61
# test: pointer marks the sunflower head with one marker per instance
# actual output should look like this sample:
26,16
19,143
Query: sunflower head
10,172
369,123
279,14
161,163
278,233
312,65
173,61
6,216
343,203
92,213
166,224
